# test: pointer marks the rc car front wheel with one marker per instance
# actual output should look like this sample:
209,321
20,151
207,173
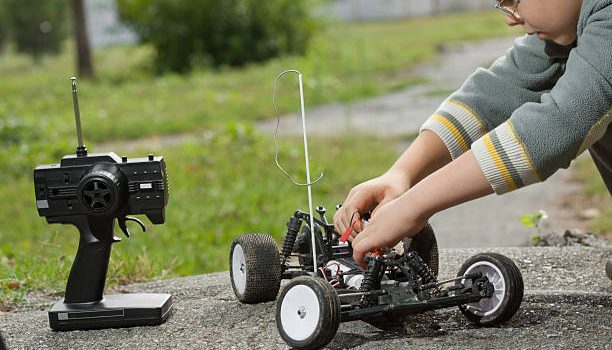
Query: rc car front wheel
255,268
308,313
507,282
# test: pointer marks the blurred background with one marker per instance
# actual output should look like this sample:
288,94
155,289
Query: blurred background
192,80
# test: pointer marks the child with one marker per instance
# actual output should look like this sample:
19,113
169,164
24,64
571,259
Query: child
536,109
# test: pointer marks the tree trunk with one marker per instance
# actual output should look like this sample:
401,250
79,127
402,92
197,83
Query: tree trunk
435,7
84,63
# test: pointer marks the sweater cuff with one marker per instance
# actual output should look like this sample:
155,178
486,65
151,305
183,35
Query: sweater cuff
457,125
503,160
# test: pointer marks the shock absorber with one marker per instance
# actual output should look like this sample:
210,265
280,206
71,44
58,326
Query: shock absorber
371,279
293,227
420,268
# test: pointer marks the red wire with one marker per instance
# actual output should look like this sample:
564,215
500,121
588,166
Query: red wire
349,230
335,278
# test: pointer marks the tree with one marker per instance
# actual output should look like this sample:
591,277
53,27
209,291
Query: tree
228,32
3,26
84,62
435,7
37,27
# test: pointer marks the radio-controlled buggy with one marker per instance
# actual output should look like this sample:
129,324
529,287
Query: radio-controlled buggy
327,287
488,288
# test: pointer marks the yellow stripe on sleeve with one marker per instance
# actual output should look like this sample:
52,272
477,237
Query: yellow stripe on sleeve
453,130
499,163
596,132
470,112
523,150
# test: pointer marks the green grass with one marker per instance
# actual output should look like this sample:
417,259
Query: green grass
344,62
224,181
220,186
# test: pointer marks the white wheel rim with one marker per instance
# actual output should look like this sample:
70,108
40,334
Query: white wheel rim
300,311
487,306
239,273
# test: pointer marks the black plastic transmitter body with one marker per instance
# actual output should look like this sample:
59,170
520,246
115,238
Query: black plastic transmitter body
90,192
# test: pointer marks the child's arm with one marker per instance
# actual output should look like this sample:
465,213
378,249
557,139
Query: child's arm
518,140
490,96
425,155
544,136
455,183
455,126
452,129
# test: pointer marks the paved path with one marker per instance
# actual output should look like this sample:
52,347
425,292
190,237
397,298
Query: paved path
567,305
402,112
490,221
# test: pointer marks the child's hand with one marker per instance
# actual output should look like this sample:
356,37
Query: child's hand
392,222
368,196
457,182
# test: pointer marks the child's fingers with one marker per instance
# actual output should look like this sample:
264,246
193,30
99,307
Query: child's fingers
352,236
362,244
357,223
340,220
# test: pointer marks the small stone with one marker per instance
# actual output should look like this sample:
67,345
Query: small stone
590,213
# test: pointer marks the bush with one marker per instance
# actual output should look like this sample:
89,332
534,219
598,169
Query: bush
3,26
229,32
37,27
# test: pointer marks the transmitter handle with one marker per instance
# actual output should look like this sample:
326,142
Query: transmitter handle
88,272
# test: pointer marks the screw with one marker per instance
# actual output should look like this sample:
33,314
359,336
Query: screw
302,312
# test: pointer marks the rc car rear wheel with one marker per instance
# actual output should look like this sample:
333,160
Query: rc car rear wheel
425,245
507,282
255,268
308,313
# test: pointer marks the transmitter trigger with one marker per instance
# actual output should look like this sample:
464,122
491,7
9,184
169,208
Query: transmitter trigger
124,227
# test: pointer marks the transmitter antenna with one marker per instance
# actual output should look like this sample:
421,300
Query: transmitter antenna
81,150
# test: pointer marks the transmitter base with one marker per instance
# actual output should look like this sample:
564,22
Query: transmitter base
114,311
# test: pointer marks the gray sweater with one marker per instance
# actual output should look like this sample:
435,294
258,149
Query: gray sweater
535,109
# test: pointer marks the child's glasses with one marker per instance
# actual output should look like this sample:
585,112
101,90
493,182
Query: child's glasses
508,7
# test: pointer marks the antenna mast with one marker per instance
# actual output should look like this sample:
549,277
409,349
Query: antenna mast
81,150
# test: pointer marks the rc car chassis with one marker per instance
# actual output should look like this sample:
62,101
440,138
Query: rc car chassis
488,288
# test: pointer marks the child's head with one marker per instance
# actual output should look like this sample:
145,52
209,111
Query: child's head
554,20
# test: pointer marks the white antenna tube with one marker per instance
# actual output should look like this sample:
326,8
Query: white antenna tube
312,230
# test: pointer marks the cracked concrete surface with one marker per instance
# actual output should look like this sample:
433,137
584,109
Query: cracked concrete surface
567,305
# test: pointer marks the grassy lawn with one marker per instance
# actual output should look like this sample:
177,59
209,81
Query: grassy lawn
344,62
224,181
220,186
